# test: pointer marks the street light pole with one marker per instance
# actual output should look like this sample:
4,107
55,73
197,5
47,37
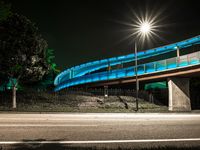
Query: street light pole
142,29
136,77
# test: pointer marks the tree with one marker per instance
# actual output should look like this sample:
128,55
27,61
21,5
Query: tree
23,51
5,11
48,79
50,60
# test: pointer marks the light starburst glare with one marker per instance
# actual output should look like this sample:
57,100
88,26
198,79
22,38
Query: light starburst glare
144,29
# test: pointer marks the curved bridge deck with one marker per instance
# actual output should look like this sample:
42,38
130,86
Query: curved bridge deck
91,67
186,64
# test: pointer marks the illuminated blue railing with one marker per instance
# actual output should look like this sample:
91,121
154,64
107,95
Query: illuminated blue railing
83,69
153,67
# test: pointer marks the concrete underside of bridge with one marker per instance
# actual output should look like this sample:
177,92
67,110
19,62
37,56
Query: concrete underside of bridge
179,94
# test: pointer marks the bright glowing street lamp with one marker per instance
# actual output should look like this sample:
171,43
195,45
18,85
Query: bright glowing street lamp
143,30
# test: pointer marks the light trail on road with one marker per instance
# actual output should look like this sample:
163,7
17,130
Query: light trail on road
100,142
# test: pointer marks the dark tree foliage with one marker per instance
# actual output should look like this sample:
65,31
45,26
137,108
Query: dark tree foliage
22,50
48,80
4,11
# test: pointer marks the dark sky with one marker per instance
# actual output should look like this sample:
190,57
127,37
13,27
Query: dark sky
85,30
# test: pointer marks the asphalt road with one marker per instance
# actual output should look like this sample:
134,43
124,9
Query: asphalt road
101,130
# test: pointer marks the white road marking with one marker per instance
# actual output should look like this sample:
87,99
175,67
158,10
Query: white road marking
125,117
47,125
100,142
142,118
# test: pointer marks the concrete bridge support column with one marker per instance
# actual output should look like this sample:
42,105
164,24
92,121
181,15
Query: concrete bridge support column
179,94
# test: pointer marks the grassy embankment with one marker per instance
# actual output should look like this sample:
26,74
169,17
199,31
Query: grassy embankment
51,102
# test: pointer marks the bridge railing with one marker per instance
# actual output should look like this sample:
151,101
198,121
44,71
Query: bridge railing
172,63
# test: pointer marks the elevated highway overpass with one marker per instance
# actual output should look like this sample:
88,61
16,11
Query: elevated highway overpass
177,70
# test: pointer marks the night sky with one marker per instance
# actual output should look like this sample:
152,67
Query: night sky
86,30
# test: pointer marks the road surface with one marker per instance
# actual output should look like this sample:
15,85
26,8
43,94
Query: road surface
101,130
